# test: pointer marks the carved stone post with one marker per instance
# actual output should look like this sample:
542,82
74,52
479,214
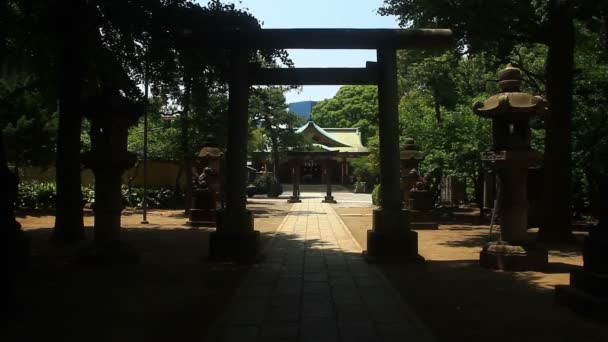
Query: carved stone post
111,117
235,238
588,289
390,238
510,112
328,197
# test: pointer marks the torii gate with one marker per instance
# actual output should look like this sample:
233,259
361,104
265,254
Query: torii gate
390,238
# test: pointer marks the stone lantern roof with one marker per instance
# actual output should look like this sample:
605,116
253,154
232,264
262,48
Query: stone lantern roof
210,152
411,151
511,101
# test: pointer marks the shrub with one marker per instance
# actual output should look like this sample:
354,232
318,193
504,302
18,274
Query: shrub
160,197
360,187
36,195
42,195
376,195
269,182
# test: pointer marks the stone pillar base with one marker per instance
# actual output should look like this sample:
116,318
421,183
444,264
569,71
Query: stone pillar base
329,199
234,246
202,217
391,239
234,238
501,255
293,199
107,256
586,294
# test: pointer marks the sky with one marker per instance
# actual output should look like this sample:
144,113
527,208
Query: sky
320,14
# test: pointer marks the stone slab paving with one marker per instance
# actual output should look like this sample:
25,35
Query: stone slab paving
314,285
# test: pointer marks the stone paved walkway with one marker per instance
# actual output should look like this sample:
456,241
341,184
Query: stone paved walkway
315,286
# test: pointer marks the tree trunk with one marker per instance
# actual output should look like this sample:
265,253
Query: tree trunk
72,63
557,193
275,155
437,106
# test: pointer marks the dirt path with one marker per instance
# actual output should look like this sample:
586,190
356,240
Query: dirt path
172,294
460,301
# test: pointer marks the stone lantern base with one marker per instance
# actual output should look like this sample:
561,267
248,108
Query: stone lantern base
391,239
202,217
501,255
234,238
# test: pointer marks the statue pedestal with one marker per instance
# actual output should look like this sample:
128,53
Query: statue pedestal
390,239
588,289
420,205
202,217
501,255
423,220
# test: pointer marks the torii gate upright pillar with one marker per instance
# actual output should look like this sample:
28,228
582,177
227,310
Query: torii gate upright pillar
235,237
390,238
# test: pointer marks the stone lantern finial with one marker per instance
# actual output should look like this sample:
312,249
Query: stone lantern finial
509,79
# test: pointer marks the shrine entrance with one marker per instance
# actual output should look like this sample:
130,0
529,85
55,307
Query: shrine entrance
391,236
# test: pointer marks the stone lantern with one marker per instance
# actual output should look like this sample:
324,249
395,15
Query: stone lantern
111,116
207,189
416,196
511,156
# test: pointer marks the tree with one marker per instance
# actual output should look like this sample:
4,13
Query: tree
352,106
269,111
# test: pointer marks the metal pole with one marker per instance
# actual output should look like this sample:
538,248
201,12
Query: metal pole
145,194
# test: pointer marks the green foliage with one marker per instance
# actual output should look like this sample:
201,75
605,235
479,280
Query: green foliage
360,187
161,197
34,195
376,195
268,181
353,106
28,126
42,195
274,126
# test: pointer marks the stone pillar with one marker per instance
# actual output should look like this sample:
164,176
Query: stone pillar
343,172
514,204
390,238
489,189
235,238
111,117
328,197
588,289
295,182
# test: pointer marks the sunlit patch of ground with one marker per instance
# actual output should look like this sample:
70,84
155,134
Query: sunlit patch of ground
461,301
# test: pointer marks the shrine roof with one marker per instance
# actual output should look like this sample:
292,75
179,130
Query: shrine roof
334,139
